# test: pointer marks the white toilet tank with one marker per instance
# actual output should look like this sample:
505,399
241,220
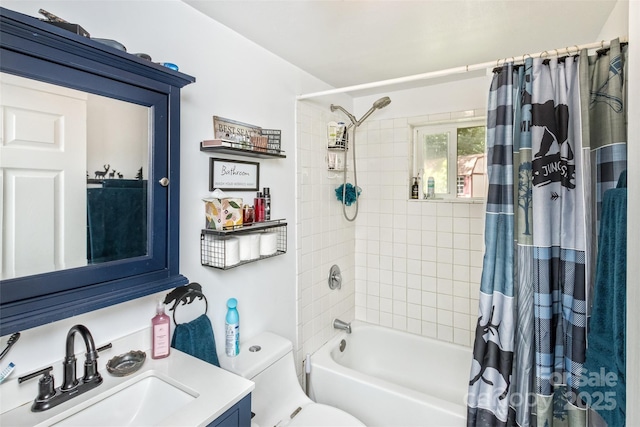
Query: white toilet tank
267,360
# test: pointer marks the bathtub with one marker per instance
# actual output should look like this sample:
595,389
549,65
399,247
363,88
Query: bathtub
386,377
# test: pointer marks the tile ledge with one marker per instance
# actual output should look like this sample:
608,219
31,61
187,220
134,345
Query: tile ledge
475,201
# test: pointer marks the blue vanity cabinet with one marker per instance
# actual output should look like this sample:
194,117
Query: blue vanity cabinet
38,51
239,415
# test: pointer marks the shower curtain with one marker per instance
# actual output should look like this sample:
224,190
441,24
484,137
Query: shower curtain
544,119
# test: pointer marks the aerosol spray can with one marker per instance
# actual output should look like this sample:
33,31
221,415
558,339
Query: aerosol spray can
232,329
431,188
267,203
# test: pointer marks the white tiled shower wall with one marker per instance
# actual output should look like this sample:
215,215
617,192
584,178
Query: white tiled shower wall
324,237
414,265
418,262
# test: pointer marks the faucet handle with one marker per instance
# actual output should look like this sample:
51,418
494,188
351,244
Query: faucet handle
46,386
104,347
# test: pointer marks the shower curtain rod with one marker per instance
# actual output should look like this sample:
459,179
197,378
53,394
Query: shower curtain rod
459,70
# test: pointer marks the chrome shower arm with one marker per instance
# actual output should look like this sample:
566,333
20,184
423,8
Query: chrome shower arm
366,115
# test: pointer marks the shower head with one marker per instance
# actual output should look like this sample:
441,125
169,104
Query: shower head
351,117
382,102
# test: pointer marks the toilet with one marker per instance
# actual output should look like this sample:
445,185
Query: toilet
278,399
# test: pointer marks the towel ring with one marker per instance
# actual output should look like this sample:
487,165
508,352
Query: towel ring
185,294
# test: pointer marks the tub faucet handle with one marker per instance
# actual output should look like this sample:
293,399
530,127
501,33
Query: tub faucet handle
339,324
335,278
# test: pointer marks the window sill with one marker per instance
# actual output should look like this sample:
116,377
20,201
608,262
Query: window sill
470,201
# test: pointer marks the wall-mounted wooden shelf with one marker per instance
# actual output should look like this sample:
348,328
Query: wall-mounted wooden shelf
240,150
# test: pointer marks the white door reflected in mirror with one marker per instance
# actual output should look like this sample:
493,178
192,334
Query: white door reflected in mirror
61,206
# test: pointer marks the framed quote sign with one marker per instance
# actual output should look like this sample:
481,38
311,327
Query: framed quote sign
233,175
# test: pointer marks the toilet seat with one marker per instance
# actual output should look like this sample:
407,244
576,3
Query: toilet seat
319,415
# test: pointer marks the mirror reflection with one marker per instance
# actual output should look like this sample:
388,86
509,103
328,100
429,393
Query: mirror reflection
73,178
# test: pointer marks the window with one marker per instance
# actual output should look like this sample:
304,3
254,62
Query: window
454,155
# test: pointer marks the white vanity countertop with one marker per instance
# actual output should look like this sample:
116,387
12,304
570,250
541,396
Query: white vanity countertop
215,389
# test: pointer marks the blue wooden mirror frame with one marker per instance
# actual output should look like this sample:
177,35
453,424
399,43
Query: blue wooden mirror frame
34,49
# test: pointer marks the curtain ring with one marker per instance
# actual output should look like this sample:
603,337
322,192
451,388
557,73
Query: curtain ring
543,54
524,57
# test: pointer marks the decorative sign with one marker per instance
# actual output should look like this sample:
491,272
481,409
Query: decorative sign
234,175
231,130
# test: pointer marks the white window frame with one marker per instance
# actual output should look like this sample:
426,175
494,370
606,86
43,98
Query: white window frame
452,158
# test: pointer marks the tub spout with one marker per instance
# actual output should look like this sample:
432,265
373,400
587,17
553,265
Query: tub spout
339,324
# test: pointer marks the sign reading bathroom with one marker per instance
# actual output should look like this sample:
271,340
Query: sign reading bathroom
233,175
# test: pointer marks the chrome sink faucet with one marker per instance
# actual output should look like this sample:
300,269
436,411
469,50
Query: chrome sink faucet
49,396
339,324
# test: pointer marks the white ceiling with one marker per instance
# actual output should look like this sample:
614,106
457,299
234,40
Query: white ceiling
352,42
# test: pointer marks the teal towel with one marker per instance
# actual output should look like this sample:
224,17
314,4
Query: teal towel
196,339
116,221
606,337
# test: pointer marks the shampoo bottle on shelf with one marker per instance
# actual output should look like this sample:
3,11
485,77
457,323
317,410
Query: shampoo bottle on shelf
414,188
160,330
332,134
232,329
341,133
258,207
266,192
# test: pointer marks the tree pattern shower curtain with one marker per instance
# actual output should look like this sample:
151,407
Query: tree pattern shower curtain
531,336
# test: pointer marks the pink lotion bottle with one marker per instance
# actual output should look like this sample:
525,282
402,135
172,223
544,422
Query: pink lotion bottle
160,331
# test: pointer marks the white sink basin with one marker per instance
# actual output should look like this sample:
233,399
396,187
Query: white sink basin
179,390
144,402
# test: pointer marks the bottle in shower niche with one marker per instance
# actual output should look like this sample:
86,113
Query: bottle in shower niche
266,192
258,207
160,330
232,329
341,135
332,134
415,189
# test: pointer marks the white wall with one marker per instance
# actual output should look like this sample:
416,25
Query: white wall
325,237
235,79
618,23
418,263
389,279
117,136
